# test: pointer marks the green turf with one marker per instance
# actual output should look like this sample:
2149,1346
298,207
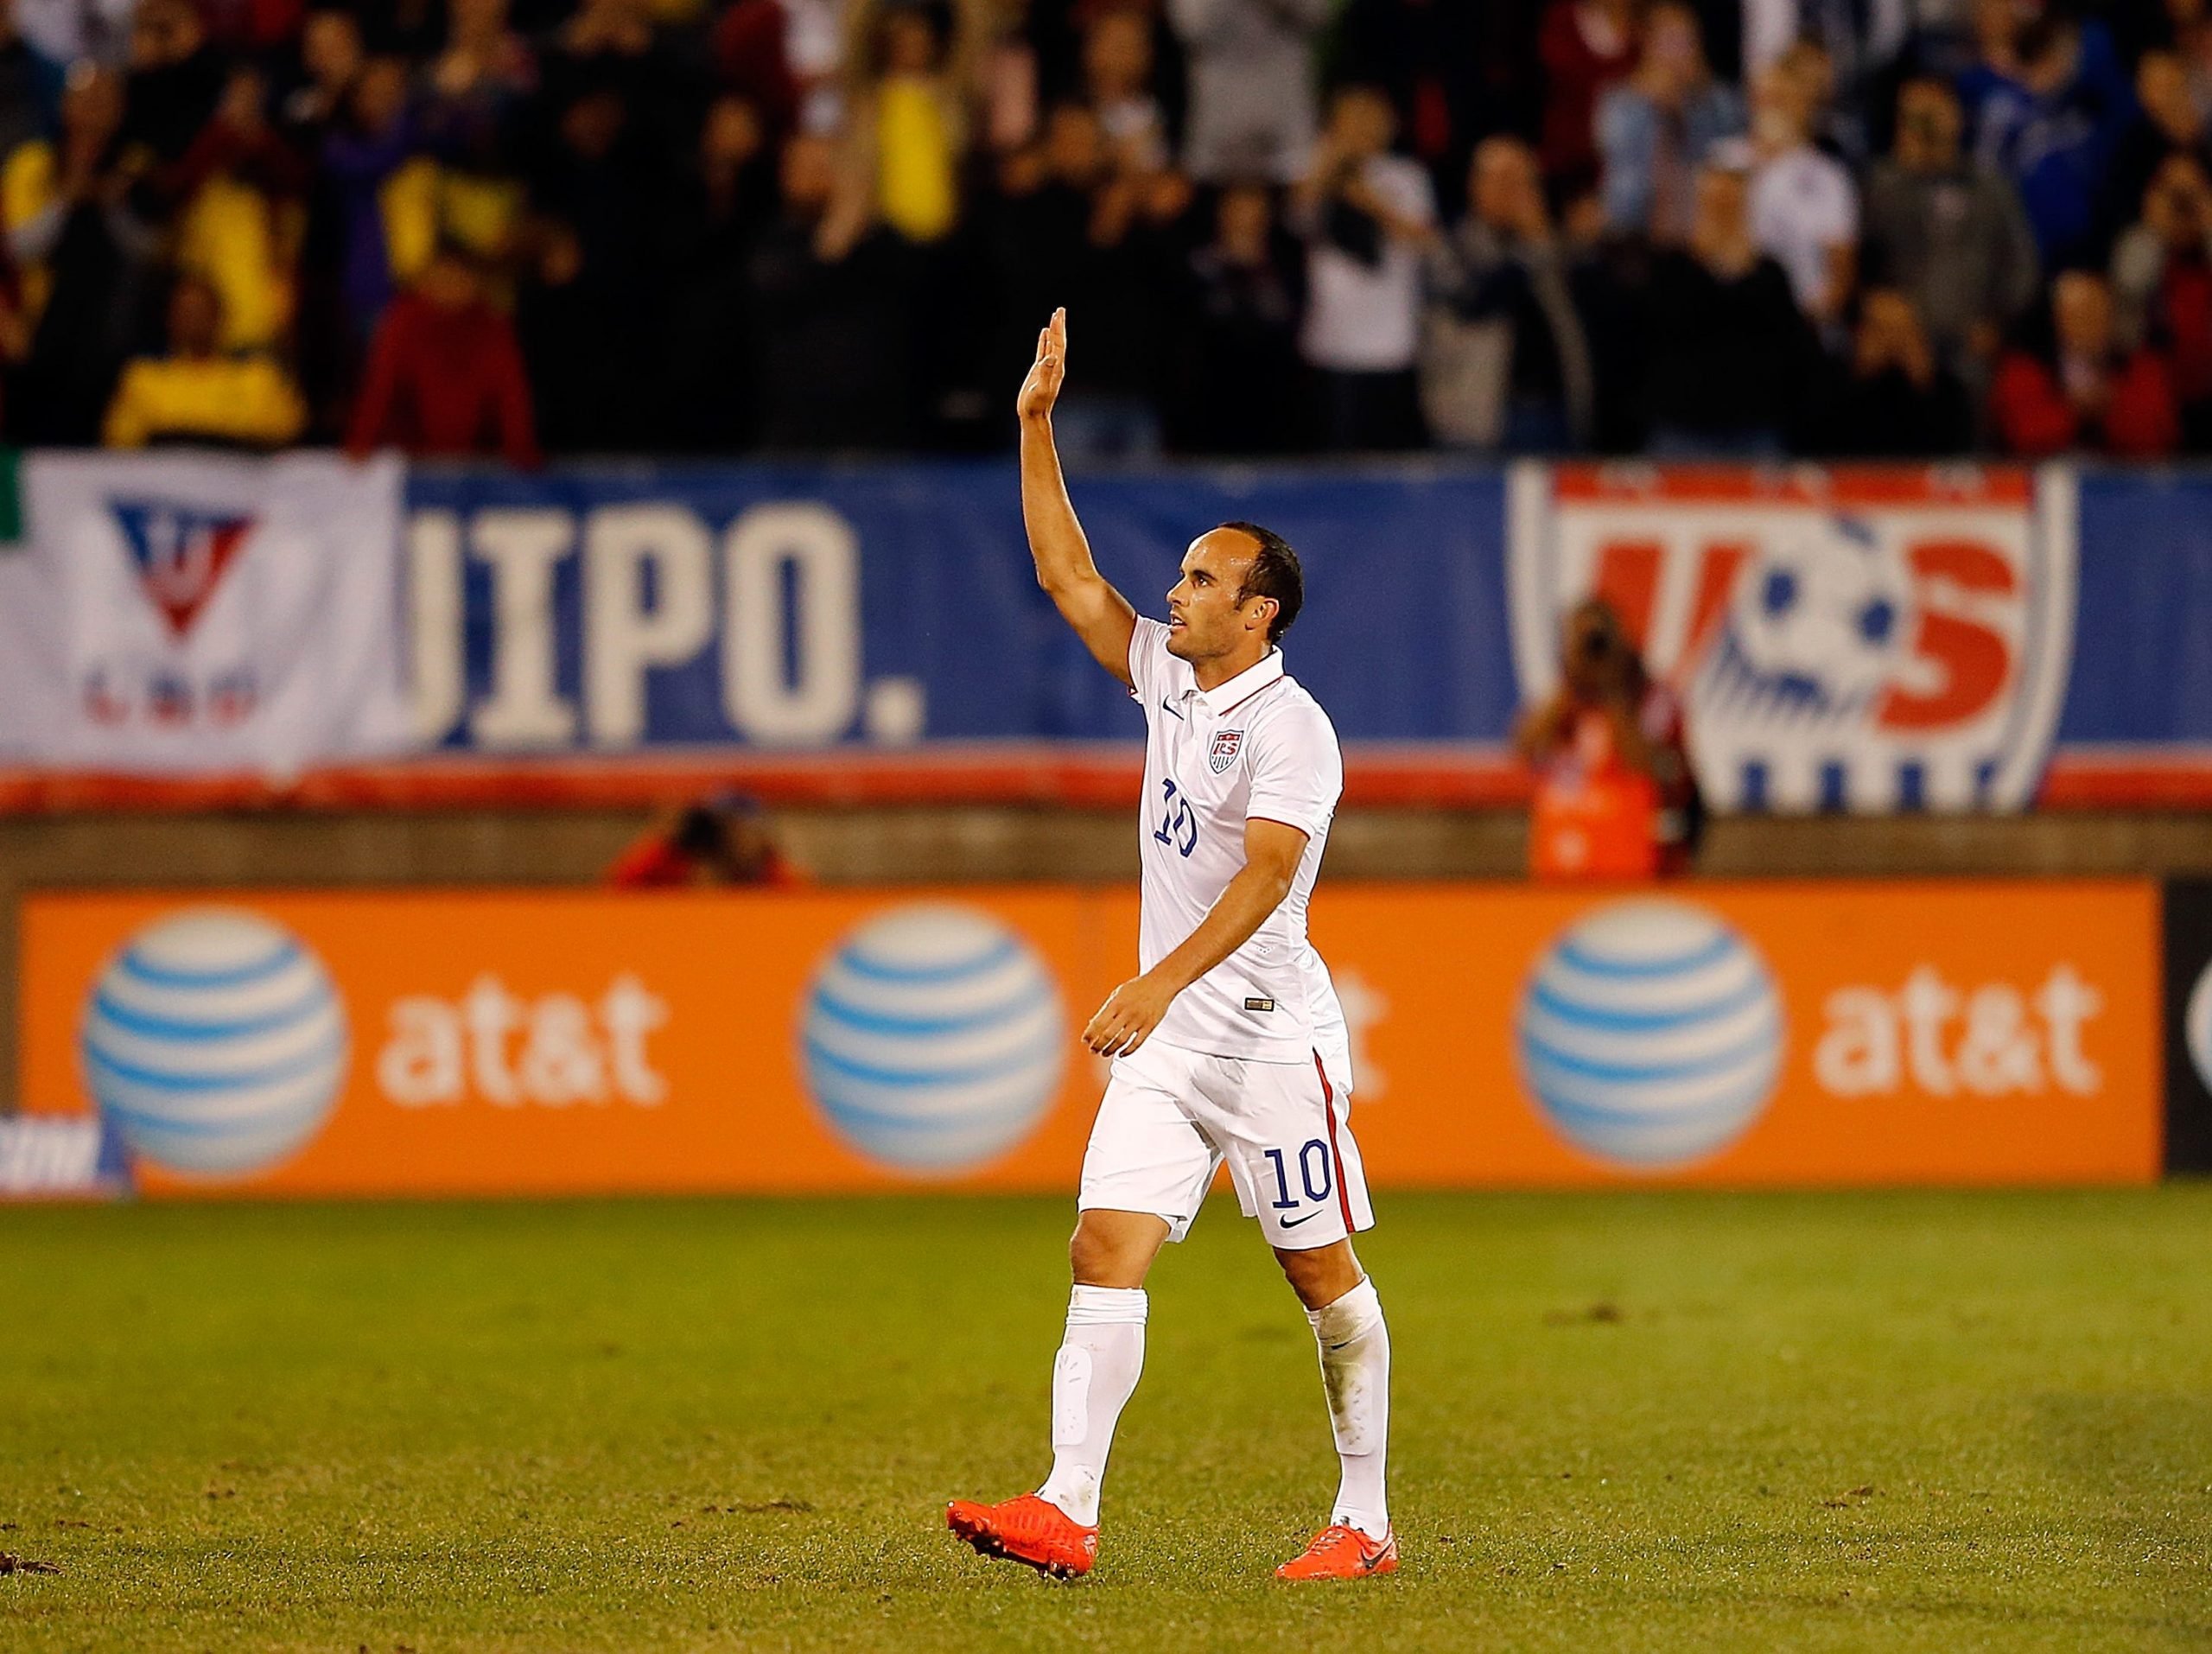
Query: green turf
1842,1422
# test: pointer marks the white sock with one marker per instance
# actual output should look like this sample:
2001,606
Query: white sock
1094,1373
1355,1373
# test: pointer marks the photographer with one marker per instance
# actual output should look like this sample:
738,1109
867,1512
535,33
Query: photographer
721,840
1616,797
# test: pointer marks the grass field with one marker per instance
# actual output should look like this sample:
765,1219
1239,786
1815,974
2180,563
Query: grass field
1657,1422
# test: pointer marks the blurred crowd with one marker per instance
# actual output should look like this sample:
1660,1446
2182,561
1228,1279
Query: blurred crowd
1731,228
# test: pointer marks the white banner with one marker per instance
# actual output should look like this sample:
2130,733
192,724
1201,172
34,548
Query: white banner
203,613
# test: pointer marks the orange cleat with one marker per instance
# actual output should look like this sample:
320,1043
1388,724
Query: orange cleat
1342,1553
1027,1530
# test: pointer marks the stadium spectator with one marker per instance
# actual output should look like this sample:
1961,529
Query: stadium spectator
750,48
240,185
908,127
602,184
1368,215
200,393
78,232
175,78
1586,46
2084,392
785,57
1804,206
25,83
330,54
1655,128
474,86
1729,352
1841,127
611,45
1009,76
835,359
1076,226
327,349
721,840
64,33
1251,85
1118,70
2049,103
1615,796
2190,26
2162,287
1247,294
445,376
2168,120
1897,401
1861,44
1949,233
616,167
713,220
471,102
1456,74
374,228
1505,362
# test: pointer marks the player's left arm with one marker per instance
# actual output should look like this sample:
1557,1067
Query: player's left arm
1272,849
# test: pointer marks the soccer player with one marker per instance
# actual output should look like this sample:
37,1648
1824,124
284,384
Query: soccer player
1230,1045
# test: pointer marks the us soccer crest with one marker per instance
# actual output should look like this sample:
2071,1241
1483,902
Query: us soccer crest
1872,639
1225,746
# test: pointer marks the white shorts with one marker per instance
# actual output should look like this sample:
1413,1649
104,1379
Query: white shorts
1170,1117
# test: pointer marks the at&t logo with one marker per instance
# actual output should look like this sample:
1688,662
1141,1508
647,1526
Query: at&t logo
1651,1034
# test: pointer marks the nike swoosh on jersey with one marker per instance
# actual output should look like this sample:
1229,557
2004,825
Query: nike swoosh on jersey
1165,707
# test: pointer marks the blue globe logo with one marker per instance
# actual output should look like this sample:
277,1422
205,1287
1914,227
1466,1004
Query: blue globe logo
214,1042
1650,1033
2197,1026
932,1038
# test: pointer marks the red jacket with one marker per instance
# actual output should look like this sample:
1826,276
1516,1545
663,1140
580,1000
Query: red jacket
445,384
1575,77
2035,418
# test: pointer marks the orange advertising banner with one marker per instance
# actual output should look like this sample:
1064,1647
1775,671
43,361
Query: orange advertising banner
538,1042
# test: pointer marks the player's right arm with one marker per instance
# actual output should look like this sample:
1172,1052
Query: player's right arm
1102,617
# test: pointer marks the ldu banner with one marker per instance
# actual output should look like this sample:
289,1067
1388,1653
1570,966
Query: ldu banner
202,614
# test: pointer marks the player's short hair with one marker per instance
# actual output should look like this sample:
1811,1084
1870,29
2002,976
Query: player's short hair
1274,573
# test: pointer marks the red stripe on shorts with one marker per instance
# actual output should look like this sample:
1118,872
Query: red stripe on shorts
1328,1114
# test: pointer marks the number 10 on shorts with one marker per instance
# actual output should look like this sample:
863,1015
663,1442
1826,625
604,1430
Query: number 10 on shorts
1314,1154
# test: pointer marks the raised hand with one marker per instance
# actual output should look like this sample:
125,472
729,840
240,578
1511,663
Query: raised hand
1042,388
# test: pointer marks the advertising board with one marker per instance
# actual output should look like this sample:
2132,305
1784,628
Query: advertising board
1768,1034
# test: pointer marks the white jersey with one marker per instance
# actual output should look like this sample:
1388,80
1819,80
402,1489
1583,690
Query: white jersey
1257,746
